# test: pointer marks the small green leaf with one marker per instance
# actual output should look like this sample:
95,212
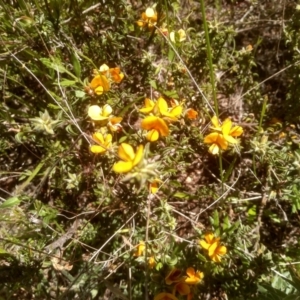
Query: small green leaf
66,82
76,65
153,84
10,202
79,94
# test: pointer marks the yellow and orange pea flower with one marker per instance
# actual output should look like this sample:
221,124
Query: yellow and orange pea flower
222,135
191,114
165,296
193,277
103,143
160,113
156,128
98,85
148,18
154,185
129,158
212,245
114,74
161,109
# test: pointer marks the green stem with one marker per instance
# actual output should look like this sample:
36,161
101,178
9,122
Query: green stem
209,56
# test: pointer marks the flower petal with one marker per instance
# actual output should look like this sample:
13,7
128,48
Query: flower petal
162,105
162,127
226,126
149,122
215,122
126,152
152,135
212,248
221,250
211,138
182,288
107,110
97,149
204,244
98,137
122,166
214,149
165,296
138,156
230,139
209,237
236,131
95,112
222,141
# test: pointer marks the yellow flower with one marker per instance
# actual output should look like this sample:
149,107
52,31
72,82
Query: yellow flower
218,142
130,159
156,126
102,141
98,85
149,106
222,135
193,276
154,184
179,36
228,132
212,244
182,288
171,114
151,262
98,113
191,114
140,249
174,276
148,18
165,296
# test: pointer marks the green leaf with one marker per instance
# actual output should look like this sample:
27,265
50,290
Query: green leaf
171,94
153,84
66,82
171,55
10,202
79,94
76,65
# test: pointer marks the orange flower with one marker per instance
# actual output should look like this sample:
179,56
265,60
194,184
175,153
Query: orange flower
193,276
156,126
148,18
165,296
212,244
174,276
191,114
130,159
114,74
102,141
98,85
